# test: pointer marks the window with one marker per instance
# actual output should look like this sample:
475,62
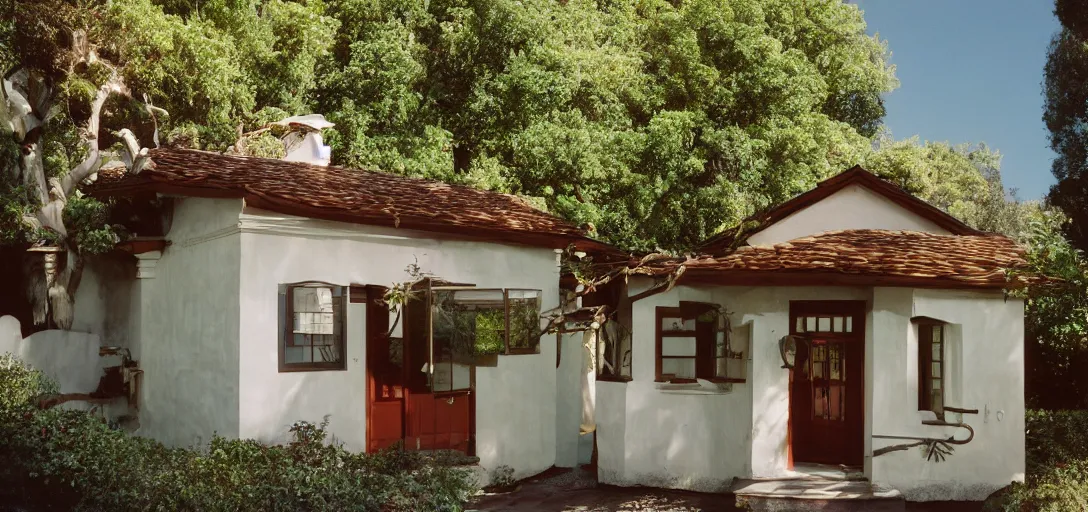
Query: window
931,363
483,321
692,343
311,320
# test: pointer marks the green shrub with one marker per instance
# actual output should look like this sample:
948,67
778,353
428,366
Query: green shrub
1057,465
69,460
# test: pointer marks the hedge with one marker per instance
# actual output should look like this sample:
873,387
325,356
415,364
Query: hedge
69,460
1057,465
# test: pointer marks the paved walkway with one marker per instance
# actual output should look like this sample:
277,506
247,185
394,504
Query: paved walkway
565,490
577,491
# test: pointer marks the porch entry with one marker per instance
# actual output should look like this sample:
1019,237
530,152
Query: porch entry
827,383
419,390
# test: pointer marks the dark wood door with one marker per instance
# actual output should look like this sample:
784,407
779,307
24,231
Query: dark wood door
415,395
827,383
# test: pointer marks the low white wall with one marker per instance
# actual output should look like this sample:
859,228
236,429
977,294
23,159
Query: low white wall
515,401
69,358
986,371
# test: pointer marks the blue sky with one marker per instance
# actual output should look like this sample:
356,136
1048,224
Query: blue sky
971,71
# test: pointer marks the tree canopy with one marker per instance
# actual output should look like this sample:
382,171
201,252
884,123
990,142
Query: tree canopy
656,123
1066,115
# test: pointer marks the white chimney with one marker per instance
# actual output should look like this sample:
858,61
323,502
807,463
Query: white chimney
303,141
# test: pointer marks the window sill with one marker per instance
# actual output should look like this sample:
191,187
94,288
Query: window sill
614,378
669,388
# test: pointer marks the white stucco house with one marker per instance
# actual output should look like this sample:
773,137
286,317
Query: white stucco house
850,328
254,300
854,327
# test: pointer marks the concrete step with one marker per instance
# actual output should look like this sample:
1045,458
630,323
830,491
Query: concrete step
811,494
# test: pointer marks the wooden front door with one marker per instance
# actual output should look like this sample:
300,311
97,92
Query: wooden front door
827,383
415,395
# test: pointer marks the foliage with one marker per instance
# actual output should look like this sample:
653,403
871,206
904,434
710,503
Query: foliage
1066,115
963,180
66,459
1057,470
1056,318
653,123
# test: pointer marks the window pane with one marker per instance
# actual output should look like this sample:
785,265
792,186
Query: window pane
810,324
936,384
936,334
800,327
301,340
523,310
936,351
296,355
462,376
823,324
680,368
849,324
937,400
935,370
327,353
467,322
719,344
836,324
677,324
678,346
836,361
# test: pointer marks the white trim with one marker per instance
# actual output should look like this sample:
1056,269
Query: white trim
265,222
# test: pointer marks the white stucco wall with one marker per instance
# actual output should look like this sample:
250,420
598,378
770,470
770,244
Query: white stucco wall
986,368
700,442
515,401
186,332
568,394
853,207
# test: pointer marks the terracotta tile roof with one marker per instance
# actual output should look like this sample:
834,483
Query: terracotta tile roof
862,257
348,195
736,235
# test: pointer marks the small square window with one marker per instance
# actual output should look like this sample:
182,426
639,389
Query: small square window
313,338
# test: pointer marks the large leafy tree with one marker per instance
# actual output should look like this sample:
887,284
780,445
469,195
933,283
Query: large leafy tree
1066,115
86,80
655,122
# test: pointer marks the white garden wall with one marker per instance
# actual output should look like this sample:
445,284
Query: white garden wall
515,401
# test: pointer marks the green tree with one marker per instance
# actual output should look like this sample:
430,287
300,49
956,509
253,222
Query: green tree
86,80
963,180
1066,116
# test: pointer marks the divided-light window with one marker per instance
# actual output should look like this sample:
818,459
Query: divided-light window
931,367
311,321
692,343
485,321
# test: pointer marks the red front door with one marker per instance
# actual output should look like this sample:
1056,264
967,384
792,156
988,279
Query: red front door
827,382
416,394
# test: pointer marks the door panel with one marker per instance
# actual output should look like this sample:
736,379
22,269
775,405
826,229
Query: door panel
403,375
827,382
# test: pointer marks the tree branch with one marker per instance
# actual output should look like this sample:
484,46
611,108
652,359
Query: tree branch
90,164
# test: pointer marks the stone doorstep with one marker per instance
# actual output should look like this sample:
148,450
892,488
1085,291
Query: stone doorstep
813,489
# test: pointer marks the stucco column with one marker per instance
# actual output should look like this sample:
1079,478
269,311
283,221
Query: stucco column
146,263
